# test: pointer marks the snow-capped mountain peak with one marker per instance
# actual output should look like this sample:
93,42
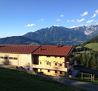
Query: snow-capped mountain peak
88,32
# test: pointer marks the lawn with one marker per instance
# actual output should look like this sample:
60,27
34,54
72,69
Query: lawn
93,46
12,80
95,81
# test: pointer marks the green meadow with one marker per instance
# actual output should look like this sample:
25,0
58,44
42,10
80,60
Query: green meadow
13,80
93,46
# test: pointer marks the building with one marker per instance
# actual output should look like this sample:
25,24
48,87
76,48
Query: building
50,60
20,55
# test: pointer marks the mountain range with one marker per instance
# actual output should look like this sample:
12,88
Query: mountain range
55,35
93,40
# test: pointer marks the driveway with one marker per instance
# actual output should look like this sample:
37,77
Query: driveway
77,84
82,85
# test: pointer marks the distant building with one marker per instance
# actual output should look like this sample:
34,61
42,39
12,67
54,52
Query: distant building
50,60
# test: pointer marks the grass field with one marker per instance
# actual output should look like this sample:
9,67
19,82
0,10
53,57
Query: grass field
93,46
12,80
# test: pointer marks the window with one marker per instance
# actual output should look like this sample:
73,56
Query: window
40,62
48,63
10,57
56,64
48,70
14,58
2,57
55,71
5,57
61,72
60,64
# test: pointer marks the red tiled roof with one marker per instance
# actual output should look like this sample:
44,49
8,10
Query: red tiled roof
24,49
37,50
54,50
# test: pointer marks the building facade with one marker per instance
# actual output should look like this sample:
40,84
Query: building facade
49,60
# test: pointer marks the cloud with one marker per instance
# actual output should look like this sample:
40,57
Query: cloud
30,25
84,13
58,20
90,21
80,20
71,20
95,13
56,25
61,15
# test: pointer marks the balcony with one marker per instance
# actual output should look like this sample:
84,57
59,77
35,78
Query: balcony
49,68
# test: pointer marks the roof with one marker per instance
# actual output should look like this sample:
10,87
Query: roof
37,50
54,50
23,49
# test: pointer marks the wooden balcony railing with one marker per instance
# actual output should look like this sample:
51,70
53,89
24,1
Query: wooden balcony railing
49,68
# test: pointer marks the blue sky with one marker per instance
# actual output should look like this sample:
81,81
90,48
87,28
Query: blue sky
18,17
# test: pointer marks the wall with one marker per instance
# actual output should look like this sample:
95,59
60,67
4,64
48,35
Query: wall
16,59
52,65
49,65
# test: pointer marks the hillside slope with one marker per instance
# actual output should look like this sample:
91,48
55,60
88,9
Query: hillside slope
93,46
93,40
12,80
92,43
17,40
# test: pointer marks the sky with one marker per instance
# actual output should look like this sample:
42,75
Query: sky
18,17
